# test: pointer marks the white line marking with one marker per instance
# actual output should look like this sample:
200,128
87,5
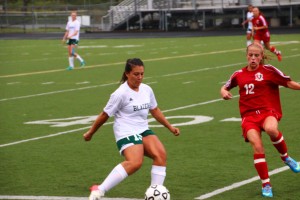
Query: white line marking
56,198
239,184
43,137
56,92
121,63
82,83
232,119
90,87
92,47
13,83
47,83
84,128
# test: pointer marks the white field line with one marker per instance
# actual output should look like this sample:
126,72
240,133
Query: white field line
146,60
56,198
239,184
89,87
121,63
108,84
56,92
205,196
84,128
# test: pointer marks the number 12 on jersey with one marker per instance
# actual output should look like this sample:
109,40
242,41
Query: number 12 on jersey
249,88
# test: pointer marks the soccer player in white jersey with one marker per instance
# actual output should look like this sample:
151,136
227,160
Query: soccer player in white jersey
72,38
249,21
130,105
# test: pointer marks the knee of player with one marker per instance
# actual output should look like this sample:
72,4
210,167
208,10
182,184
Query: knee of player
136,164
160,158
259,149
271,130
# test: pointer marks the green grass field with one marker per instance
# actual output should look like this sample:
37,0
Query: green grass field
45,110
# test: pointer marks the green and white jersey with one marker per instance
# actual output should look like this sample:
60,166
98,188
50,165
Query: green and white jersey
73,26
130,109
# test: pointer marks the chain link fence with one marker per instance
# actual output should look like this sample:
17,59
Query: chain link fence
52,18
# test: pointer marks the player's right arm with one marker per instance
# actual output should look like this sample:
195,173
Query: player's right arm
65,36
225,93
101,119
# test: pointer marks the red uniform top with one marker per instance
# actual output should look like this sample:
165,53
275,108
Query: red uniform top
259,22
262,34
259,89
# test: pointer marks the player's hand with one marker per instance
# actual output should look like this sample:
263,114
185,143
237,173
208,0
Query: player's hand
63,41
87,136
175,131
226,94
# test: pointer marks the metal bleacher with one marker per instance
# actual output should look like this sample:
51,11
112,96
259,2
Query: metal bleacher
127,9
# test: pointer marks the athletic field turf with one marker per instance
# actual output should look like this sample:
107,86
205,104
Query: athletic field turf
45,109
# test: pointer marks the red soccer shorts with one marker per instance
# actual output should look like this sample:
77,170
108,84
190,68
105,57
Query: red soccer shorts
265,37
256,119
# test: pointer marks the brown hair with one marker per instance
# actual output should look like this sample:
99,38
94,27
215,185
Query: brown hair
130,63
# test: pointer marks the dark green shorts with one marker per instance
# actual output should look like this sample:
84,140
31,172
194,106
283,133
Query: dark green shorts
72,42
133,140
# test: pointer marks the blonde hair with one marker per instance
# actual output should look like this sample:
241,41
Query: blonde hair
262,51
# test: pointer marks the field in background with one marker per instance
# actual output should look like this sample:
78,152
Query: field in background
40,100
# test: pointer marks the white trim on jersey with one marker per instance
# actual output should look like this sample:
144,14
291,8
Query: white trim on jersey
130,109
228,83
263,20
272,68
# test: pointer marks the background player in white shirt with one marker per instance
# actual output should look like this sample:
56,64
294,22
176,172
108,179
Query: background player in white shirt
130,105
249,21
72,37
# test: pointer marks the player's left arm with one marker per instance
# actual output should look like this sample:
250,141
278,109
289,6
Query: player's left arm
293,85
159,116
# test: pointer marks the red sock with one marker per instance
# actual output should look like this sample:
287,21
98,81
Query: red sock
280,145
262,168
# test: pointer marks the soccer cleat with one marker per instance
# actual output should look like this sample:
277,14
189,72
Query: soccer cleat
82,64
70,68
278,54
267,191
295,167
96,194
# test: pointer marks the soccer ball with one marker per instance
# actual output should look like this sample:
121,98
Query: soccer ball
157,192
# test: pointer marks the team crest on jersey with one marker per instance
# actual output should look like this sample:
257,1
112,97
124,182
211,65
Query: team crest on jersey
259,76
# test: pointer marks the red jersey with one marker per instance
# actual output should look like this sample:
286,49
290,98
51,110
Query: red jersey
262,34
259,89
260,21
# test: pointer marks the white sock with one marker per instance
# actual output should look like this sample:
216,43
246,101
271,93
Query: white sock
249,42
116,176
71,61
79,58
158,175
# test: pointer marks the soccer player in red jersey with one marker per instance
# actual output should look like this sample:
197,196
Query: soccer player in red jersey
261,32
260,109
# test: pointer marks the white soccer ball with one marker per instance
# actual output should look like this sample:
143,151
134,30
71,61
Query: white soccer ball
157,192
